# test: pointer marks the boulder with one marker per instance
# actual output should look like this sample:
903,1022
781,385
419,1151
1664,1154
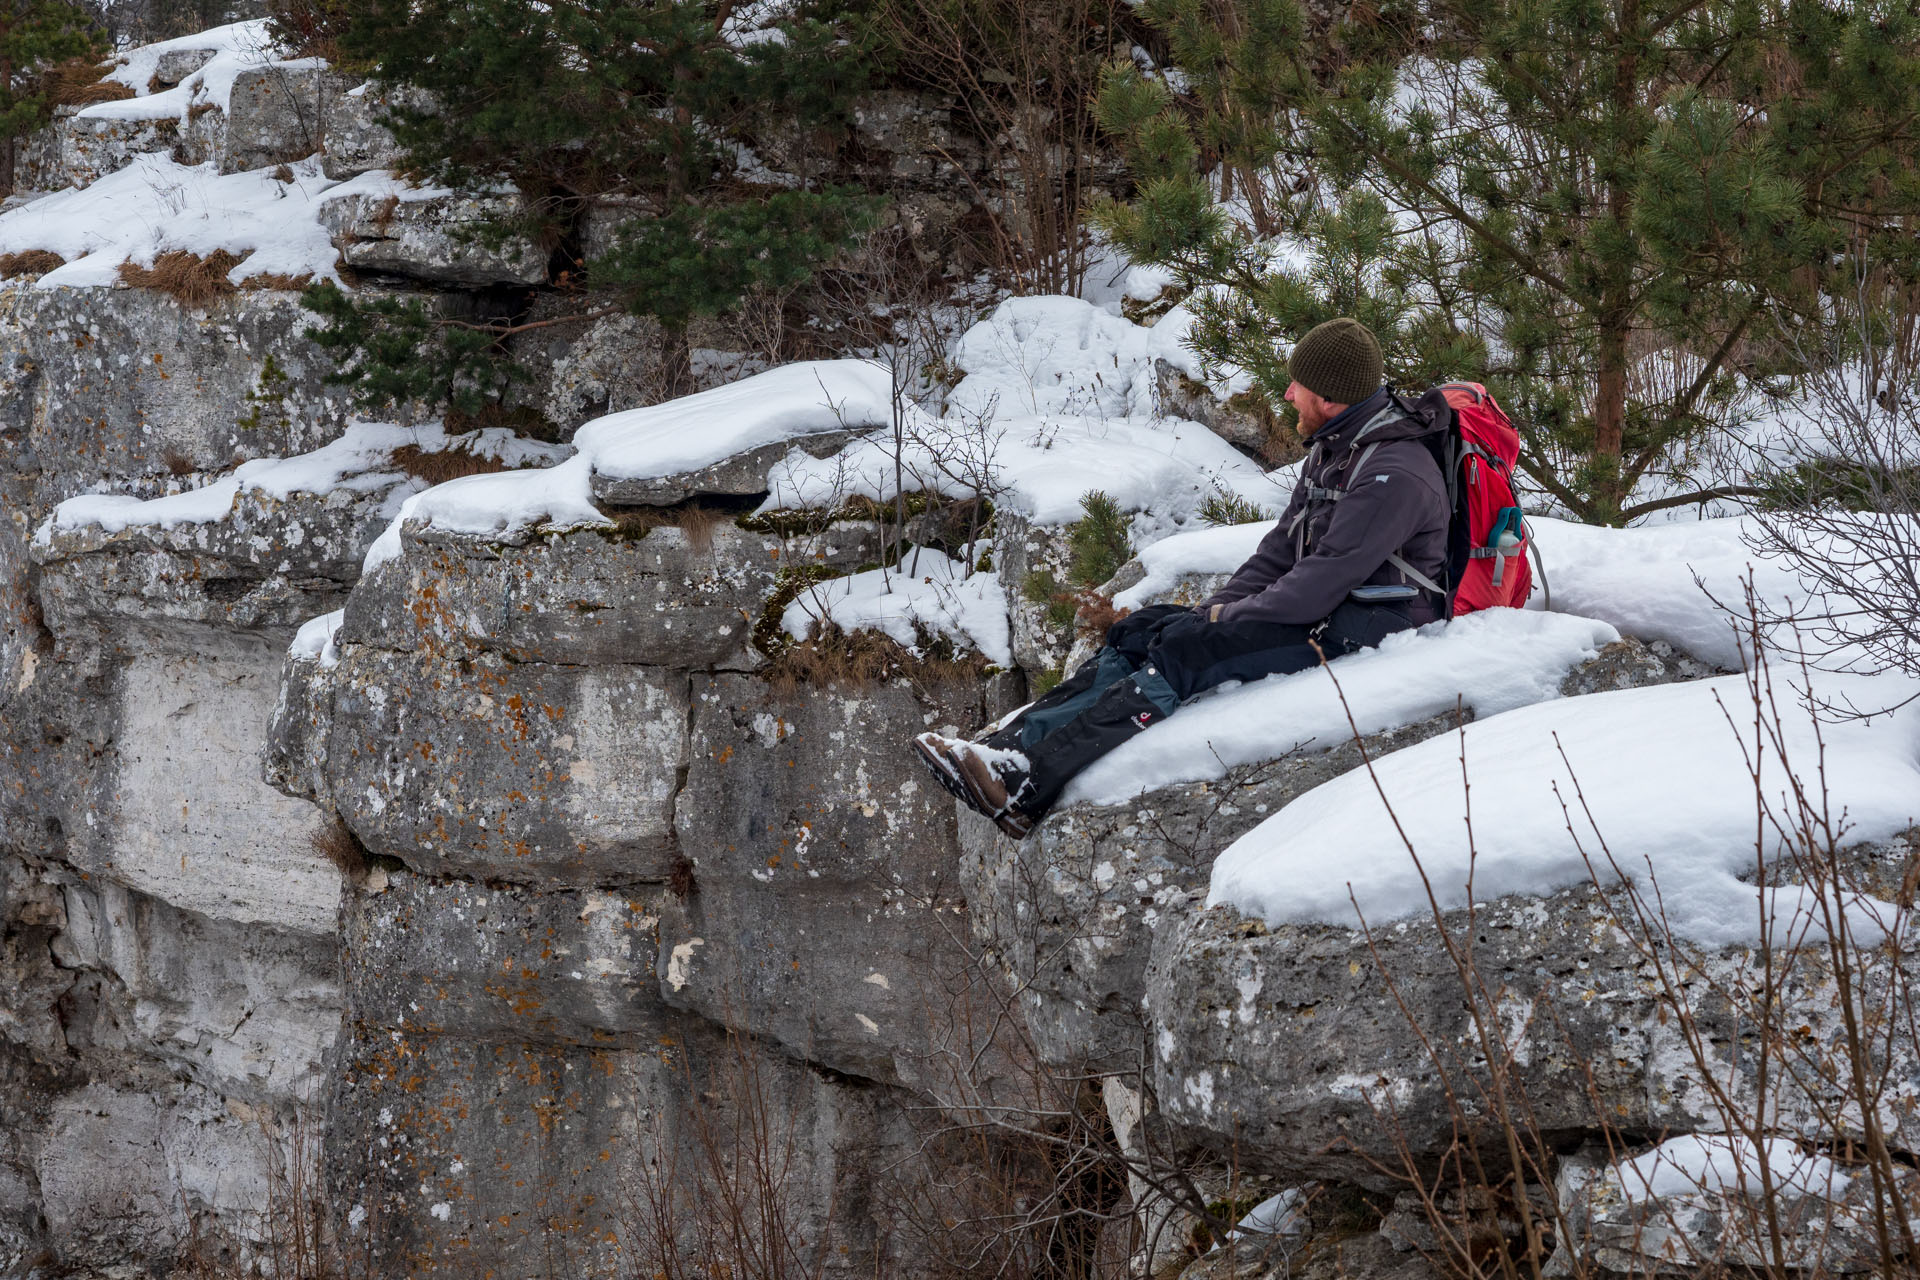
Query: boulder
132,387
499,770
1243,420
742,475
1071,912
824,912
176,65
267,567
77,150
352,118
1022,553
668,596
275,115
1286,1045
1620,1228
437,238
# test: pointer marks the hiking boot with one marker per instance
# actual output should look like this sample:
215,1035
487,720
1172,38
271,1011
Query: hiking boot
949,760
933,753
986,774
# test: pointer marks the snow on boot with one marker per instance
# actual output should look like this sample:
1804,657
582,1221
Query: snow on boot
933,752
964,770
991,777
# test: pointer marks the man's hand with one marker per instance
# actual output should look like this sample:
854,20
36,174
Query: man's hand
1143,621
1213,614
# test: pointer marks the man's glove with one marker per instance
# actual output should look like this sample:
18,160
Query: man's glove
1143,622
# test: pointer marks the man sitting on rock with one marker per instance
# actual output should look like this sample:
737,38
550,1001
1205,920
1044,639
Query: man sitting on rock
1357,555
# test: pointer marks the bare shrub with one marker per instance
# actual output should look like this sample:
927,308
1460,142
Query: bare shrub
1024,75
188,277
1843,499
719,1199
31,262
308,28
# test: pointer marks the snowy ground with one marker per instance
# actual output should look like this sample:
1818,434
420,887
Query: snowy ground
360,461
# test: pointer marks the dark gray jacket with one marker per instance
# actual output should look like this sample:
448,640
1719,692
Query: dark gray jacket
1322,549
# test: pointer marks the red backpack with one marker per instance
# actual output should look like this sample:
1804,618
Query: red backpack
1488,542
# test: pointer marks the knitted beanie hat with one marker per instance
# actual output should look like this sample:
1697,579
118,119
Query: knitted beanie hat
1338,361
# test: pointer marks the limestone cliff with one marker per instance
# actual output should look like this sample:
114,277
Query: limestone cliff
526,914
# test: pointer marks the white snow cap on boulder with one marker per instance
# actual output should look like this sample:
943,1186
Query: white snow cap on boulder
815,397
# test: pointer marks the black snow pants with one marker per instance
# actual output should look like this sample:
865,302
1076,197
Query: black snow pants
1153,661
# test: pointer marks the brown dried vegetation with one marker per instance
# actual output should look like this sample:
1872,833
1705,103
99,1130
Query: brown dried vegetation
438,466
832,657
696,521
33,262
77,83
191,279
277,280
342,848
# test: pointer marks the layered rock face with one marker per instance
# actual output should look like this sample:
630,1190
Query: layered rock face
536,920
495,936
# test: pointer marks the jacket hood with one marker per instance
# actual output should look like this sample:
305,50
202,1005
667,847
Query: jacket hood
1363,424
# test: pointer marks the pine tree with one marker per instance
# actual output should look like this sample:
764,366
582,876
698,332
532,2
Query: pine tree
1623,199
34,35
645,105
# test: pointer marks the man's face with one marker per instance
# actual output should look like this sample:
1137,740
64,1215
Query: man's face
1314,411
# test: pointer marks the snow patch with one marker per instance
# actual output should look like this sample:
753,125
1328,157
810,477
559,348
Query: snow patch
1491,661
155,206
317,640
927,591
1663,770
1722,1165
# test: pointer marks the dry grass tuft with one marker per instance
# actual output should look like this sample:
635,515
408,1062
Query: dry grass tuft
191,279
33,262
77,83
441,465
178,464
342,848
862,659
199,109
696,521
1095,612
277,280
